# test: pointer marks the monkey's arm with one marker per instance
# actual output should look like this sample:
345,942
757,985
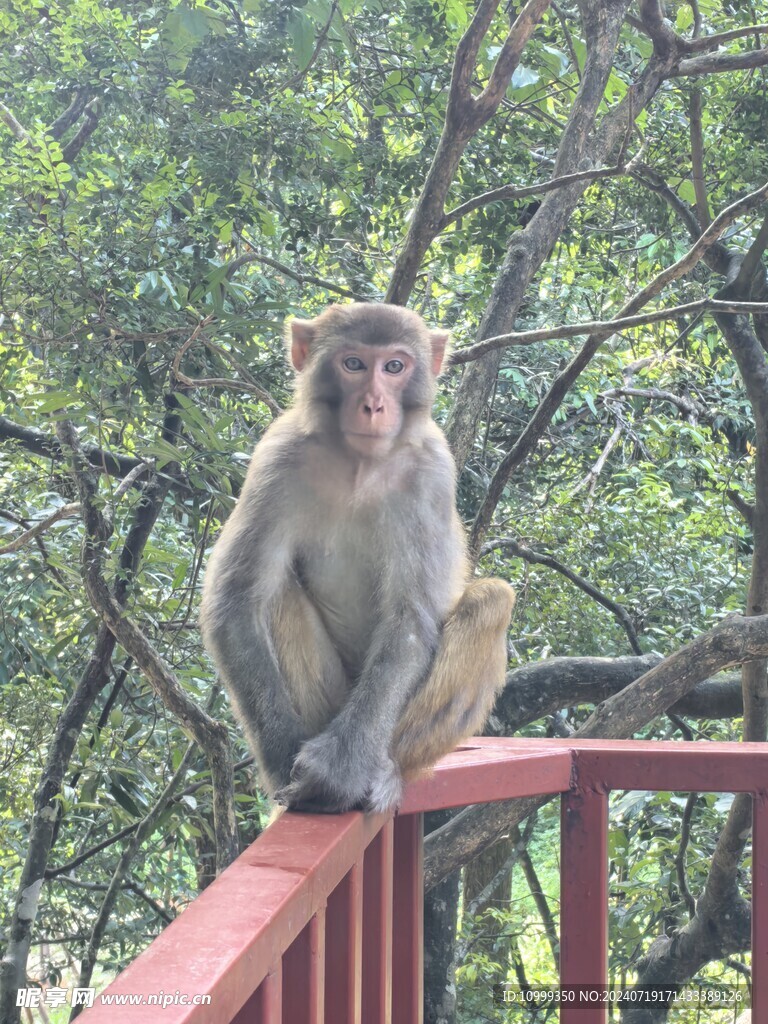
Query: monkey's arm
246,572
349,764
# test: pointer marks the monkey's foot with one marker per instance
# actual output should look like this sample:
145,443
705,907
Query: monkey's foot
297,796
322,782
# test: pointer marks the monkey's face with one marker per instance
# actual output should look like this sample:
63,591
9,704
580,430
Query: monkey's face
368,370
373,381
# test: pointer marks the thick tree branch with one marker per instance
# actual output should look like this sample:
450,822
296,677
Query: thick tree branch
533,692
47,446
719,63
521,30
665,40
65,121
742,283
734,641
745,508
8,119
91,114
624,323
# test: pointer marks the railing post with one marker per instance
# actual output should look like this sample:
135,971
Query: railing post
304,974
377,928
266,1004
343,949
584,899
759,906
408,921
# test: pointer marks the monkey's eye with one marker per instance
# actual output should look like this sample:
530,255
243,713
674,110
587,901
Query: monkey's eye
353,364
394,366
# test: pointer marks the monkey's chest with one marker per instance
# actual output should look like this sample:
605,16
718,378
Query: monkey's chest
342,583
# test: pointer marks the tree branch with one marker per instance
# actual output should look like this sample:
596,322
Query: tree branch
590,480
718,63
694,411
712,42
742,283
47,446
65,512
733,641
218,382
697,157
464,117
584,143
299,77
621,323
91,119
71,114
506,192
520,32
620,613
536,691
68,728
208,733
295,275
563,382
21,133
143,832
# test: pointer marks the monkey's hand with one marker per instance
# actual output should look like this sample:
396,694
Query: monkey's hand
331,776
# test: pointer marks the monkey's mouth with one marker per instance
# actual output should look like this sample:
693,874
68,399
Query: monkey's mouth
384,432
370,443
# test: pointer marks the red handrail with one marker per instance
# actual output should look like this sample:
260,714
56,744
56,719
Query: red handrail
320,920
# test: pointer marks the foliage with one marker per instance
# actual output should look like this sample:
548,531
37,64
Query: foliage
235,163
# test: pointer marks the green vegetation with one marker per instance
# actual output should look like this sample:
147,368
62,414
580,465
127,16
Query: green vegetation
176,179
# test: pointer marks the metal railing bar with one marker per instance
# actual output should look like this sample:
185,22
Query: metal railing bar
760,906
343,961
584,899
377,928
478,776
676,766
304,974
408,920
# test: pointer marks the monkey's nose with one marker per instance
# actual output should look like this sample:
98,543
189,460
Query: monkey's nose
373,405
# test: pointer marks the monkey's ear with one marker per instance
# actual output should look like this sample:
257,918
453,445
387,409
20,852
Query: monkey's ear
300,342
439,342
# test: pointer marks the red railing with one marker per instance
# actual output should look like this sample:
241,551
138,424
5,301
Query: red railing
320,920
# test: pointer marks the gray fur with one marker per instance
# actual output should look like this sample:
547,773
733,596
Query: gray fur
374,546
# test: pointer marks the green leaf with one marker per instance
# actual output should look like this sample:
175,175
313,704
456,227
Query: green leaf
302,32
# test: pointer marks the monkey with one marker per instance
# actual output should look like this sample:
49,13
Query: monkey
337,604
